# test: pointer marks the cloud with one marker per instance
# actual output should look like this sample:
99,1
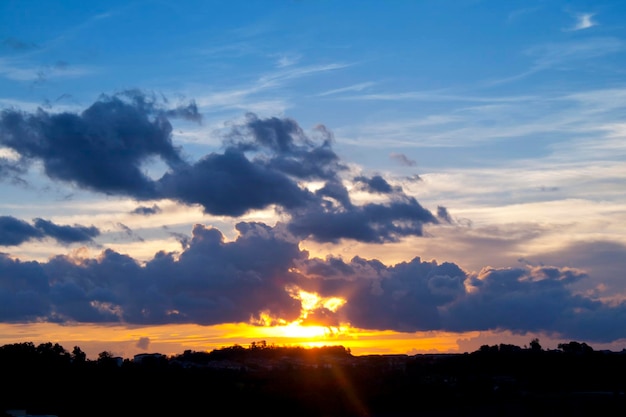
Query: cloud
583,21
375,184
14,232
402,159
143,343
442,213
603,259
258,274
298,72
101,149
243,279
11,169
287,60
350,88
182,238
146,211
555,55
20,70
373,222
265,163
535,299
230,184
129,232
66,234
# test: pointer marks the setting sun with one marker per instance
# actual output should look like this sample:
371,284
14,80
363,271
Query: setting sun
302,327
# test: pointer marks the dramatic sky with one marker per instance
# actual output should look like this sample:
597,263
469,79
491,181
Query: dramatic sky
392,176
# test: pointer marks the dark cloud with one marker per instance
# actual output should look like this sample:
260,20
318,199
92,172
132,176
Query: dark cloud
67,234
402,159
605,260
534,299
376,184
101,149
420,295
211,282
260,273
442,214
374,223
281,145
182,238
414,178
262,166
24,291
11,170
129,232
15,232
230,184
404,297
147,211
265,163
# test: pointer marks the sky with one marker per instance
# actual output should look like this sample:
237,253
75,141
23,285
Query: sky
392,176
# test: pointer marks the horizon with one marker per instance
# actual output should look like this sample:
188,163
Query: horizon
262,345
414,177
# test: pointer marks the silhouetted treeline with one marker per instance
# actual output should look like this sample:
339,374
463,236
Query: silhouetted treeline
574,380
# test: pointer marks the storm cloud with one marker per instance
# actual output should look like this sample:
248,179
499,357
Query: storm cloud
14,232
66,234
254,276
101,149
265,163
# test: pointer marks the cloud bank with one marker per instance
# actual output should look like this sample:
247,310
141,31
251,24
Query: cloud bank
214,281
14,232
264,163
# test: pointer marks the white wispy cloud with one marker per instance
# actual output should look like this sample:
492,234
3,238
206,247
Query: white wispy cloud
437,96
574,131
550,55
518,13
583,21
17,70
255,96
276,77
287,60
350,88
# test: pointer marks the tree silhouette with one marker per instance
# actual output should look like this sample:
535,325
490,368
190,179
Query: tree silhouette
575,347
535,346
78,356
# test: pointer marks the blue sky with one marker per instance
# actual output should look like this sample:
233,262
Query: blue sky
443,167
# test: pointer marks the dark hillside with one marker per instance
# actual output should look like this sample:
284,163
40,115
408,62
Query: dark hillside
268,380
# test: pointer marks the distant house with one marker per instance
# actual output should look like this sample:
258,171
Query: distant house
150,357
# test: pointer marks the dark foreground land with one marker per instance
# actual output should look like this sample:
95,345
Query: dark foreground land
501,380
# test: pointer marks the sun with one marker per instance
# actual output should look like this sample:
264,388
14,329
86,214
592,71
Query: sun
301,330
297,330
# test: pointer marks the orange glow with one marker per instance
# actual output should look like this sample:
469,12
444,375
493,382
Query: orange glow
311,301
278,328
127,340
174,339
